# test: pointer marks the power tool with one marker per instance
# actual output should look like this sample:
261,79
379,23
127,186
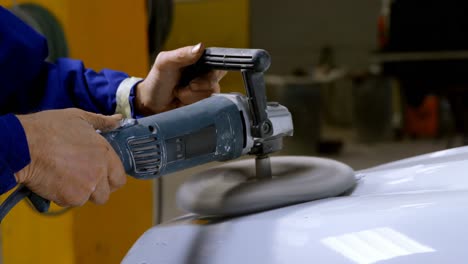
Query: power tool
222,127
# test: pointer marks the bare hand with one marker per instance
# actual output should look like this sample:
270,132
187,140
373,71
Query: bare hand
70,162
159,91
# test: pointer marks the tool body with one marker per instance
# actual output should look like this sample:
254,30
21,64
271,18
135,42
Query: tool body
220,128
209,130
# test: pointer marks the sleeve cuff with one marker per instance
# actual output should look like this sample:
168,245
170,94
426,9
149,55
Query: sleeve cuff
14,150
125,96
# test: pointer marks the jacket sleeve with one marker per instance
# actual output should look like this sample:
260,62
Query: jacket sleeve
30,84
14,152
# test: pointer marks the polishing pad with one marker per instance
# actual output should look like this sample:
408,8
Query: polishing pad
233,188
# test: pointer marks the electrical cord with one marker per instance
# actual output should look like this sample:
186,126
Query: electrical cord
14,198
35,202
53,213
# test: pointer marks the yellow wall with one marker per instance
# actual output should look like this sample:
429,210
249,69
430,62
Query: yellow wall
104,33
216,23
112,34
28,237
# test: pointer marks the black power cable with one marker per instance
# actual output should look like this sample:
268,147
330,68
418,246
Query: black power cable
39,204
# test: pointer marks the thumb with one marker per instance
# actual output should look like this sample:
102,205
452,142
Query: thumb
179,58
102,122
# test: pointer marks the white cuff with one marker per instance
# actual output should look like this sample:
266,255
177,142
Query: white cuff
122,96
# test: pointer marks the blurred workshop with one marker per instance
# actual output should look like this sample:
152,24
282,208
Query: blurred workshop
365,83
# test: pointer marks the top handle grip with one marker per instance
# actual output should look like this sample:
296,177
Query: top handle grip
228,59
252,63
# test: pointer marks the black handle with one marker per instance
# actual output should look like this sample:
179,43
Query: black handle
252,63
228,59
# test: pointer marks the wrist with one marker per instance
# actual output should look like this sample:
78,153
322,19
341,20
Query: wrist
125,97
141,107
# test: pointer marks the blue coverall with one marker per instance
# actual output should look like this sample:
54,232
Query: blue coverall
29,84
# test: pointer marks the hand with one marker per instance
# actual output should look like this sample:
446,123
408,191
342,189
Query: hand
70,162
159,91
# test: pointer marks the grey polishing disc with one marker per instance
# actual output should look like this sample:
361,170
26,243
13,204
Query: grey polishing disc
233,189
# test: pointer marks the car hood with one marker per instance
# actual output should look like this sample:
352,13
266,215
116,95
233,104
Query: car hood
409,211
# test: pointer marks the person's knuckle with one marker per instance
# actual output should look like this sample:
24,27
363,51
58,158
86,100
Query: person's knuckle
119,180
105,197
162,54
194,86
90,186
63,198
101,173
216,88
88,181
75,199
117,175
60,203
159,63
101,199
179,55
60,199
74,202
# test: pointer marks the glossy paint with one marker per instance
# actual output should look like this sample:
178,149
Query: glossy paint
410,211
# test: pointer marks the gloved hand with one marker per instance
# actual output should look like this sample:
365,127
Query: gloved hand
158,92
70,162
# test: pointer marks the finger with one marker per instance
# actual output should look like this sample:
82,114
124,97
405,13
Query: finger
179,58
221,75
202,86
102,122
76,190
102,192
187,96
208,82
116,173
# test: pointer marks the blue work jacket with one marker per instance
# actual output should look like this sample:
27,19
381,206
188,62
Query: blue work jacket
29,84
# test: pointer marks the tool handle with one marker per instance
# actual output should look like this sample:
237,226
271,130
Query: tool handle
228,59
252,63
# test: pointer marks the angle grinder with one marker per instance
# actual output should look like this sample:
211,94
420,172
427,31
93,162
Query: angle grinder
220,128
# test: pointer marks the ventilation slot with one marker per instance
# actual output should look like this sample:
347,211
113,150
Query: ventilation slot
232,62
146,155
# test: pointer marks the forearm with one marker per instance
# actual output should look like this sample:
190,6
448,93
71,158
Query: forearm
29,84
14,151
69,84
